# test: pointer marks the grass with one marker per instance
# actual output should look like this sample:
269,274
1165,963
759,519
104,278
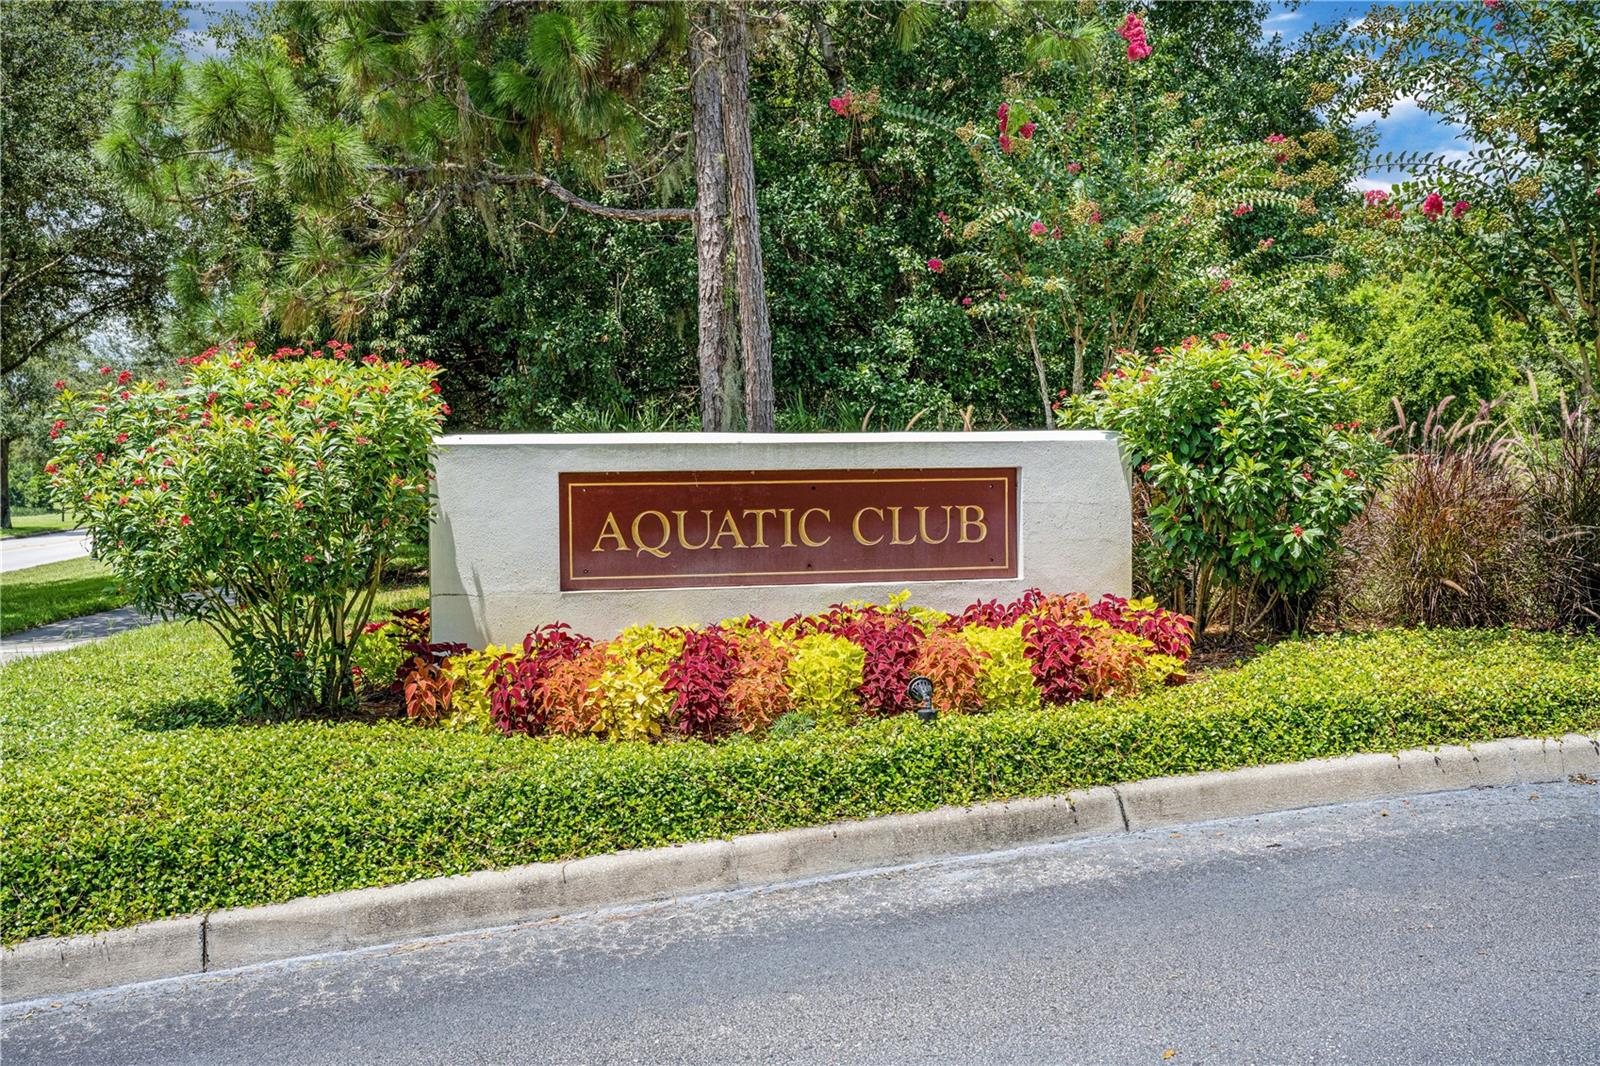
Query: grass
55,591
28,525
130,791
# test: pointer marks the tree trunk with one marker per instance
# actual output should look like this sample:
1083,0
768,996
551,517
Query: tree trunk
755,328
5,482
1077,359
710,221
1038,369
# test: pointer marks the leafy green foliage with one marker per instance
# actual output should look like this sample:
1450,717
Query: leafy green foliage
1519,214
125,796
260,494
1415,341
1253,464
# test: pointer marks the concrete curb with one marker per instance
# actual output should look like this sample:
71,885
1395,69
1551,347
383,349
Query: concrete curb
368,917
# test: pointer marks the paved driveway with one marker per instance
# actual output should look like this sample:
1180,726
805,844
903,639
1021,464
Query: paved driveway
1456,928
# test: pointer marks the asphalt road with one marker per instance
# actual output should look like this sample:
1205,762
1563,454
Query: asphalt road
1453,928
19,553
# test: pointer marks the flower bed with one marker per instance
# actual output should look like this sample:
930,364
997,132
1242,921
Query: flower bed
843,666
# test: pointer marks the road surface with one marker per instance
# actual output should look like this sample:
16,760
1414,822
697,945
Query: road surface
19,553
1452,928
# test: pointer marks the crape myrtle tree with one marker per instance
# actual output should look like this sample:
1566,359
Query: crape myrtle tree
1102,209
1518,212
337,137
72,258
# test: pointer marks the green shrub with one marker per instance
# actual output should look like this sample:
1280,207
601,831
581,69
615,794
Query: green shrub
1253,464
261,494
1418,341
125,796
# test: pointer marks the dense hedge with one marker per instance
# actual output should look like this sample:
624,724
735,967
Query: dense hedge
119,804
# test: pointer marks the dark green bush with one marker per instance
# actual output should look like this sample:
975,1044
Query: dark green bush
118,804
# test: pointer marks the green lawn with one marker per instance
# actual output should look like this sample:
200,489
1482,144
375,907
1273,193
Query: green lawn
55,591
26,525
130,792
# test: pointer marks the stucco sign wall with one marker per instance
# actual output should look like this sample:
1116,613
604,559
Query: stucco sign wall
605,530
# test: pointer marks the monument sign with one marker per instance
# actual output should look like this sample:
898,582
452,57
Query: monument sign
605,530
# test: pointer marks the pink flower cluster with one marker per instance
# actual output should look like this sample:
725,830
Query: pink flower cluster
1433,207
1132,31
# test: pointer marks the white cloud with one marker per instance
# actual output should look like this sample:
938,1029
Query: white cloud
1402,109
1367,182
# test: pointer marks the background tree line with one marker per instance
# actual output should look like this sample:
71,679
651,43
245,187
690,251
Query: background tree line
722,214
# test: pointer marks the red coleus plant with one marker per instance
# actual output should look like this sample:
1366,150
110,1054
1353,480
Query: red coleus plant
1172,634
516,685
1055,650
699,678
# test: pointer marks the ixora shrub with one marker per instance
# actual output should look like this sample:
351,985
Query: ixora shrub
260,493
1253,465
849,664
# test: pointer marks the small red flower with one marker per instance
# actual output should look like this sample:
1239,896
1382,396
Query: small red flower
1074,168
59,384
1037,228
1433,205
1459,209
1025,131
1242,209
1297,531
124,377
936,265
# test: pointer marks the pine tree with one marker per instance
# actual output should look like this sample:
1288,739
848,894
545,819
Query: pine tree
336,137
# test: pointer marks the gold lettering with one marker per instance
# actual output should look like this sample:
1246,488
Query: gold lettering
729,528
609,528
666,535
683,538
894,513
855,526
804,537
922,526
761,517
788,524
966,523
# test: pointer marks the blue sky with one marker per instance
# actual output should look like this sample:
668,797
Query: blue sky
1406,128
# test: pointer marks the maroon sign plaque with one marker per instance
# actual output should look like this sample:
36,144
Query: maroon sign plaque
786,527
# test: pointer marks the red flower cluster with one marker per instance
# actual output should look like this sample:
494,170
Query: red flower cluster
1433,206
1132,31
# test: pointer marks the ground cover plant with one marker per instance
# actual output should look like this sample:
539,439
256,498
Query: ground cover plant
848,664
260,493
131,789
49,593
